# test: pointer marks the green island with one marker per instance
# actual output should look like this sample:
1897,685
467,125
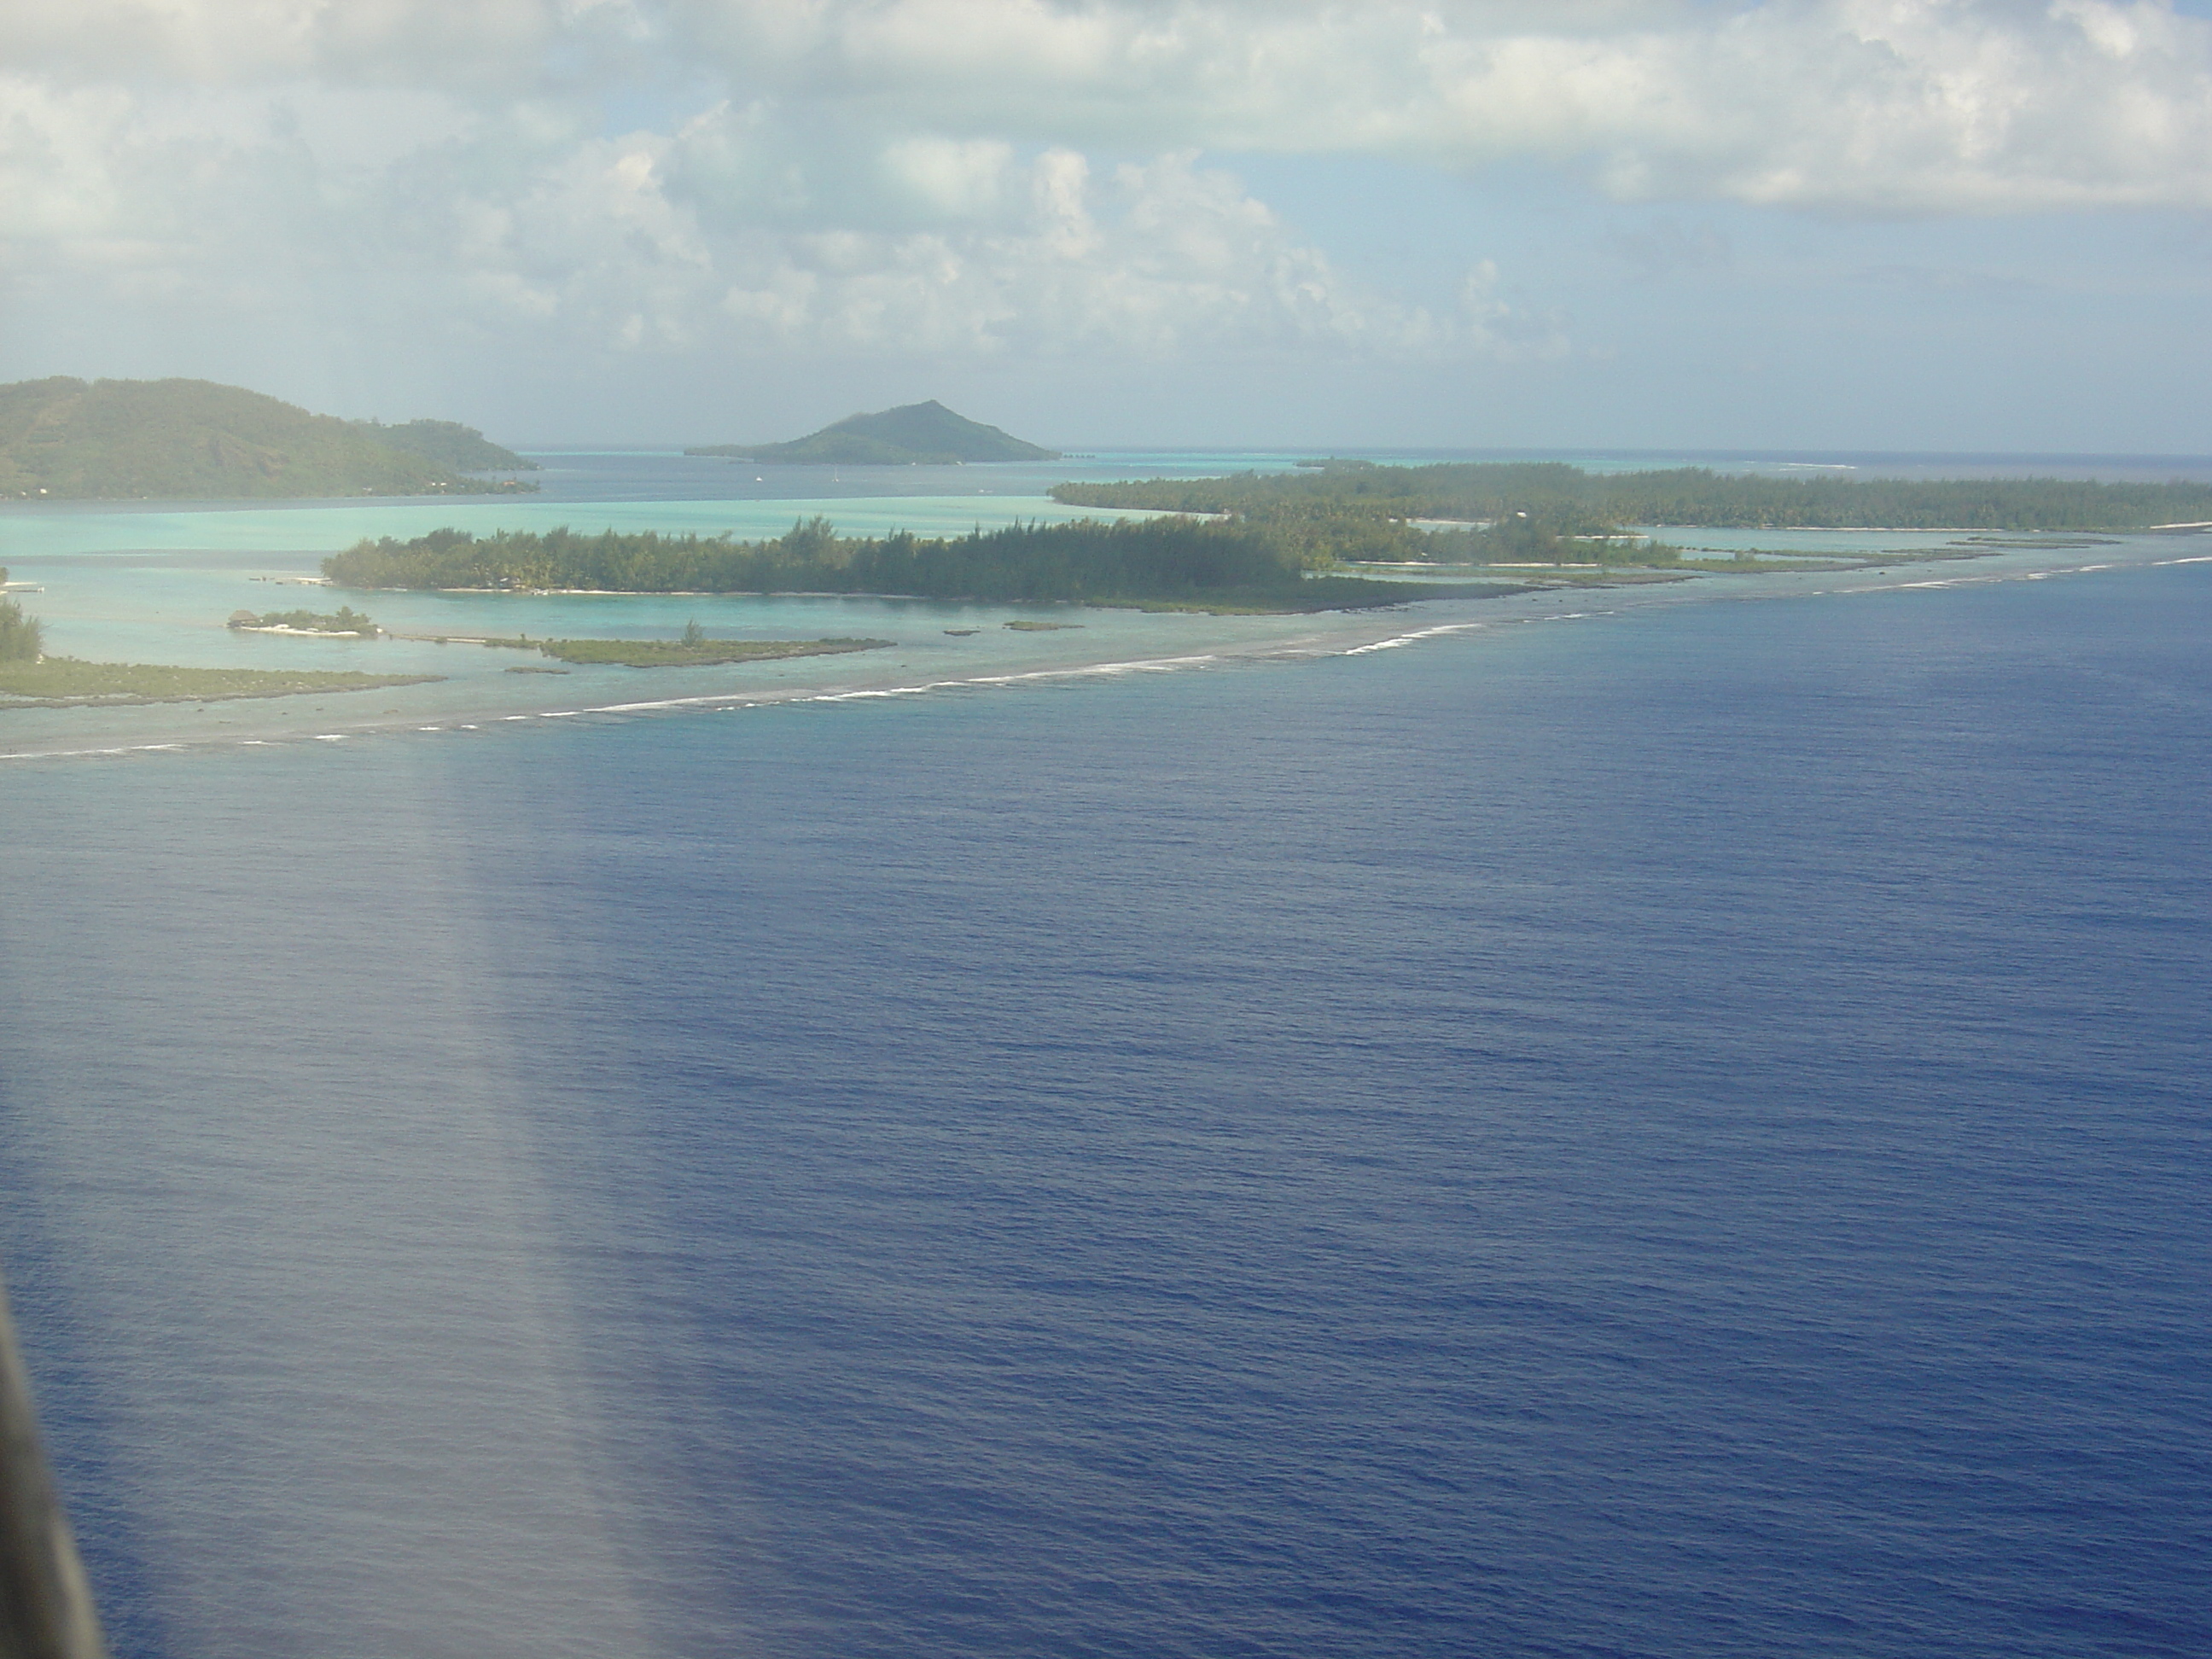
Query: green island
344,620
914,435
1226,567
71,440
1549,513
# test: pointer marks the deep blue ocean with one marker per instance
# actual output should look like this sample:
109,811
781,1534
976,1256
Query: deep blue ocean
1681,1134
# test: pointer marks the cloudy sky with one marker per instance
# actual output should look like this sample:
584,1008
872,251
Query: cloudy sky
1978,225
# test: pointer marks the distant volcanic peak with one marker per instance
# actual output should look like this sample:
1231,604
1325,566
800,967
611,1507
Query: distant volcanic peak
914,435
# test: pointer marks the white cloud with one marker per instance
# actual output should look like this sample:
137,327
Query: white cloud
240,42
1495,326
920,175
733,229
55,177
1873,105
1165,258
956,178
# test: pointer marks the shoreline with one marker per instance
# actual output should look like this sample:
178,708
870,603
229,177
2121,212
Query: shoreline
1117,643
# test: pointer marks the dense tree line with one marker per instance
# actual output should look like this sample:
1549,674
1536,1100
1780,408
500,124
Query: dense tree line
1567,501
1155,561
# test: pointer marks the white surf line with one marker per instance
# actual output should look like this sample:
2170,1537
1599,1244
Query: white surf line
1997,578
1396,640
79,754
1133,666
1147,665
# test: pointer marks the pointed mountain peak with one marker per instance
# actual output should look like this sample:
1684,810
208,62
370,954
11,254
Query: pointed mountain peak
913,435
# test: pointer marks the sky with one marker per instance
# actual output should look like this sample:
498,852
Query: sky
1955,225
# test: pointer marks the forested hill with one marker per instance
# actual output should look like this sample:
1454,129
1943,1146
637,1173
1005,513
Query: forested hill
70,439
1559,494
914,435
448,444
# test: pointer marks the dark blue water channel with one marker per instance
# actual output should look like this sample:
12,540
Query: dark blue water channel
1682,1133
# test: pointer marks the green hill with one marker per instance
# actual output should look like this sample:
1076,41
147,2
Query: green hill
448,444
914,435
70,439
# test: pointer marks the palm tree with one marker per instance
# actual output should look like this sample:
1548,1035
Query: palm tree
22,639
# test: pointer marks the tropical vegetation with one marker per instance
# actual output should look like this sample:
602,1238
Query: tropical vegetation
21,638
1168,563
1340,504
446,444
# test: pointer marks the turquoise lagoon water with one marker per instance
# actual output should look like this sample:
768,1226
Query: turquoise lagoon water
156,583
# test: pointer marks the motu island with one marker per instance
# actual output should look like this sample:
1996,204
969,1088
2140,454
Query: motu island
66,439
344,620
914,435
1172,563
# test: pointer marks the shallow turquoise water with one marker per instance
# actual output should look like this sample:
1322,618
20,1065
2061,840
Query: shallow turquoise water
156,584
